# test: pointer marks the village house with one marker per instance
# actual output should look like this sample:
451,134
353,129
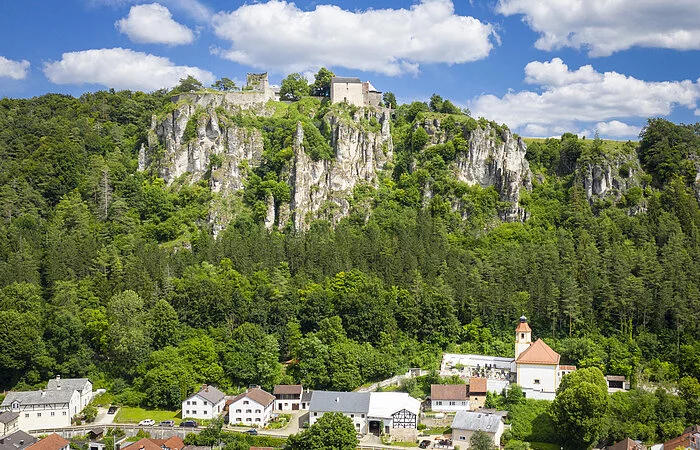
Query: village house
53,407
690,439
627,444
171,443
208,403
466,423
449,397
390,413
19,440
252,408
477,393
51,442
288,396
617,383
8,422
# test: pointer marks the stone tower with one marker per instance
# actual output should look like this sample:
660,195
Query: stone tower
523,337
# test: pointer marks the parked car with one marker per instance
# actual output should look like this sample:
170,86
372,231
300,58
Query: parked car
112,409
252,431
424,443
188,423
147,423
167,423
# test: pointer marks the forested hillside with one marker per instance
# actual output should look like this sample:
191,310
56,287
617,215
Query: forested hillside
110,272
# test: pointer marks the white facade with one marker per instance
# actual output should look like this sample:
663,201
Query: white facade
359,419
348,90
249,412
43,409
537,377
461,437
450,405
82,385
197,407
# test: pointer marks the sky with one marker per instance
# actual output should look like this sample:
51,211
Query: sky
543,67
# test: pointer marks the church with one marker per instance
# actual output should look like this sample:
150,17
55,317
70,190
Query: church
535,368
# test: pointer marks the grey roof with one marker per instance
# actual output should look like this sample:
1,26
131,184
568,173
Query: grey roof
38,397
331,401
345,80
16,441
468,420
7,416
210,393
306,396
77,384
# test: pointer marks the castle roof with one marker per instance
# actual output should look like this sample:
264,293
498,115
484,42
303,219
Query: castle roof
539,353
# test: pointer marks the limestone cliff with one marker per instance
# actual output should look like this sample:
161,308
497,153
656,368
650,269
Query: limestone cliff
611,174
193,141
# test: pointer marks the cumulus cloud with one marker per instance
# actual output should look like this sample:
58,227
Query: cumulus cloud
153,24
193,8
604,27
615,128
121,68
278,35
569,99
17,70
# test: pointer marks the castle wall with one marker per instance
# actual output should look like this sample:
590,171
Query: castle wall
347,92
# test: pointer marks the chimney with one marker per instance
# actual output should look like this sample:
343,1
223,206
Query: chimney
337,399
58,382
43,392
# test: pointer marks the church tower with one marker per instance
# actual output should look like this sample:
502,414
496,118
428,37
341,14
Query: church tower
523,337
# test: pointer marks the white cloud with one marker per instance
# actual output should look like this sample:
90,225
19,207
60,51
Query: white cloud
121,68
278,35
153,24
569,99
193,8
604,27
615,128
17,70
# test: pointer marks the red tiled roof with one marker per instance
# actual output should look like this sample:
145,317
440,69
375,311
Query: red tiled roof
567,367
627,444
173,443
258,395
448,392
477,386
523,327
539,353
288,389
50,442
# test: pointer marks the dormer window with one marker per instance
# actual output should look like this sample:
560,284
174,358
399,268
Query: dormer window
15,405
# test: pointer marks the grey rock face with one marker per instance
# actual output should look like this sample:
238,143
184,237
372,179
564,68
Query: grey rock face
499,161
610,177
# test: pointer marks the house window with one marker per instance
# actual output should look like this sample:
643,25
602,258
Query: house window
238,410
248,411
53,413
257,419
245,402
187,412
38,414
462,438
352,415
363,416
522,335
194,412
27,414
249,419
315,414
452,403
357,425
258,411
64,413
238,419
537,381
205,412
15,405
188,402
194,402
438,403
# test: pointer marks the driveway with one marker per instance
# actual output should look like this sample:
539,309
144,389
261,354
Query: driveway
103,418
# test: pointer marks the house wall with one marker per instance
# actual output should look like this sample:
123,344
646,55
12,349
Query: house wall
86,395
404,434
461,437
249,412
286,402
476,401
197,407
359,419
10,427
538,377
37,417
347,92
450,405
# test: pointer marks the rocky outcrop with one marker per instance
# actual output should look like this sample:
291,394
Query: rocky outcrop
497,159
609,176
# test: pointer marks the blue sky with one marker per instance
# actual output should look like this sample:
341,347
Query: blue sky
542,67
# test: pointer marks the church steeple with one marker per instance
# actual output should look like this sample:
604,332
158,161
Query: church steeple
523,337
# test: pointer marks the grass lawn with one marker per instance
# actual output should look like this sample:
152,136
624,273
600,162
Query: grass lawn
130,414
543,446
437,431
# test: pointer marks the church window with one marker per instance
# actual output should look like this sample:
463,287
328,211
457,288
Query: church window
537,381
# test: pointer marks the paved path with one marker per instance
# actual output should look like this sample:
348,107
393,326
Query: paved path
103,418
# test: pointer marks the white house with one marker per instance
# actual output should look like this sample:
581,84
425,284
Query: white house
43,409
9,422
208,403
288,396
466,423
449,397
252,408
82,385
394,413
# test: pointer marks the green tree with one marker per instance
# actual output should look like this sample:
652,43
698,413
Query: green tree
480,440
225,84
294,87
322,83
163,324
188,84
389,100
333,431
580,408
436,102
